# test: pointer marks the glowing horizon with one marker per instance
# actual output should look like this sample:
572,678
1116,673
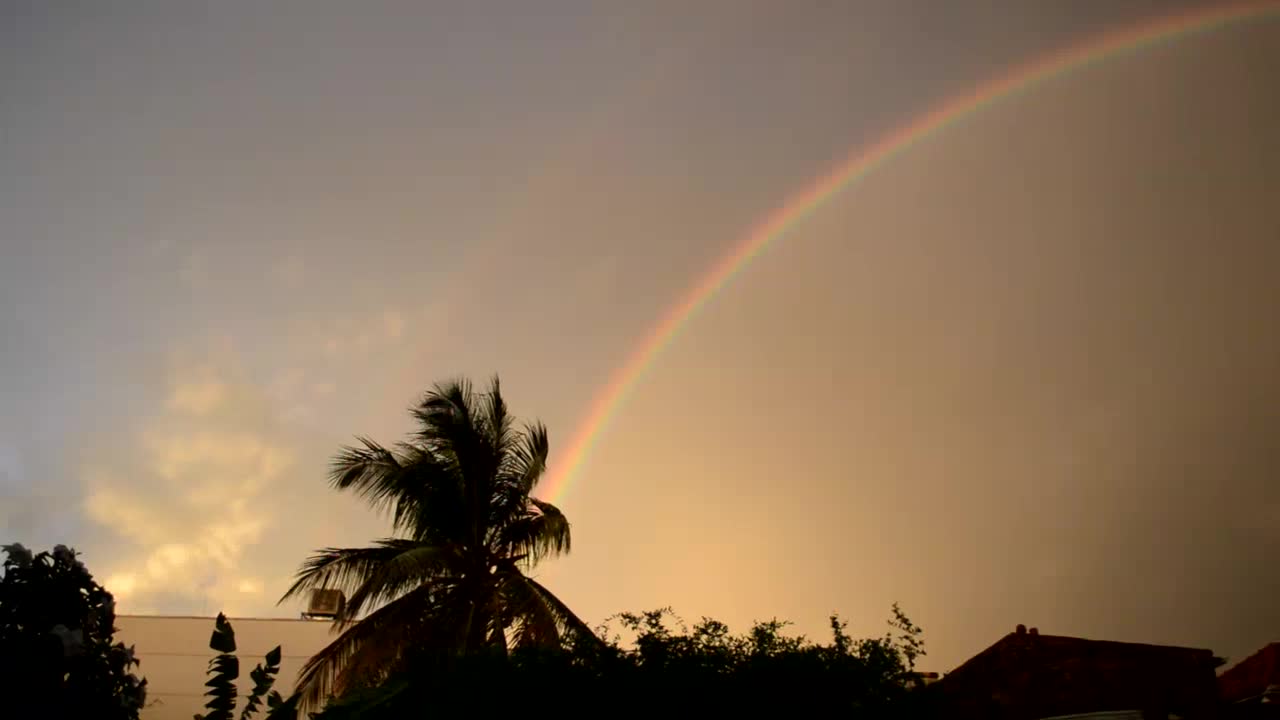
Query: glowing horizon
862,162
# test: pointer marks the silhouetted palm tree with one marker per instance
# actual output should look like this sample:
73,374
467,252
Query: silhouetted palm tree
452,579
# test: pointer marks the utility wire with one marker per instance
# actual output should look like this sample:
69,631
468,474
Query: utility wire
143,655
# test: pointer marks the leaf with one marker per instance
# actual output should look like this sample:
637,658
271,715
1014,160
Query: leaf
223,671
223,639
264,676
280,708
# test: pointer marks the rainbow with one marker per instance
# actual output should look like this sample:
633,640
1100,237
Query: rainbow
857,166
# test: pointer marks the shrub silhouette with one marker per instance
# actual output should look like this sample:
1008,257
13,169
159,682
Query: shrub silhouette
664,668
56,628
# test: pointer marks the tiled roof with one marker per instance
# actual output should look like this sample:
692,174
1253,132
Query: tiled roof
1251,676
1028,675
1065,645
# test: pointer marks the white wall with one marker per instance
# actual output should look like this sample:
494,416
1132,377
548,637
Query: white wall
175,654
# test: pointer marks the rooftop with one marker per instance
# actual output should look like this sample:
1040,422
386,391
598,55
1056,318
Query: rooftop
1062,645
1251,677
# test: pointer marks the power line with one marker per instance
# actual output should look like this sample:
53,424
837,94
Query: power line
143,655
155,693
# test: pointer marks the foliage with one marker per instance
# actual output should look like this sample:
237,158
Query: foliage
224,670
56,629
466,531
668,669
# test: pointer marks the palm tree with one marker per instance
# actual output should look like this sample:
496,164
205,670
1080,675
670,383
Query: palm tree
452,578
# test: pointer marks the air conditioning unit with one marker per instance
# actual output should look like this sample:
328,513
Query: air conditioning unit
325,605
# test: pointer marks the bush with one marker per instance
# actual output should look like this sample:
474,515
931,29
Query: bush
668,670
56,628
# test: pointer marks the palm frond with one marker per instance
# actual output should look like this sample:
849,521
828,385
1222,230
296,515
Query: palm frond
370,664
411,481
345,568
538,535
414,565
527,460
384,629
497,419
429,499
532,622
571,625
444,412
448,428
519,472
541,617
373,471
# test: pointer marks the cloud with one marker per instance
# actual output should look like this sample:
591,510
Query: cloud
392,324
198,397
210,502
21,508
194,269
196,513
297,394
287,382
382,330
289,271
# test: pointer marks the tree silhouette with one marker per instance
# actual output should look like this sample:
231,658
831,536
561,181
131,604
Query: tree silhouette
56,631
451,581
667,669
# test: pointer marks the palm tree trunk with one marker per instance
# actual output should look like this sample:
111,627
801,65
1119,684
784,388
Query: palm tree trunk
467,630
479,614
477,626
498,641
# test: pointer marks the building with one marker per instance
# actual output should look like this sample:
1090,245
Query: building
1251,688
1029,676
175,655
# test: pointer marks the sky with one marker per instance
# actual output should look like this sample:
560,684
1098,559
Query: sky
1023,373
